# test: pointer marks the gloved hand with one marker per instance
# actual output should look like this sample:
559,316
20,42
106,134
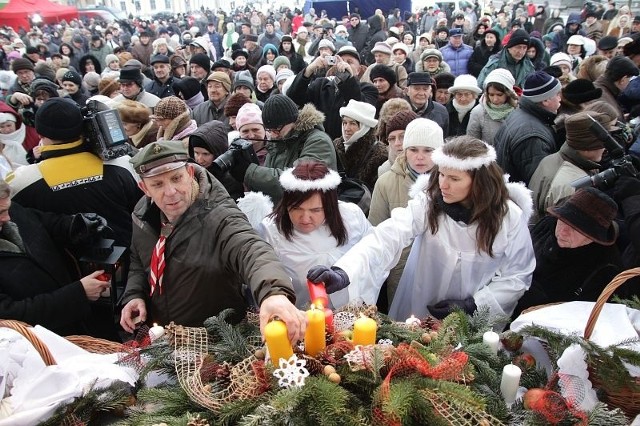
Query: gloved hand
334,278
445,307
240,165
625,187
85,226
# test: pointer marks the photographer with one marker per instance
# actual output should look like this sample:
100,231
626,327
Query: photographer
71,178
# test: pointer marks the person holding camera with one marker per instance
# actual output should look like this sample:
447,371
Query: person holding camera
71,178
293,135
193,249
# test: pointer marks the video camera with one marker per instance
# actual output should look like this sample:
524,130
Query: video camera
104,132
238,148
621,163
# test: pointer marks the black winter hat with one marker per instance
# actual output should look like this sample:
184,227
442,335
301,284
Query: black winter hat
444,80
131,74
519,36
632,48
59,119
279,110
73,77
159,59
21,64
202,60
580,91
187,86
383,71
608,43
620,66
46,85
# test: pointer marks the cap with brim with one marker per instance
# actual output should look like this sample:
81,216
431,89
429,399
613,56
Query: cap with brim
160,157
608,43
349,50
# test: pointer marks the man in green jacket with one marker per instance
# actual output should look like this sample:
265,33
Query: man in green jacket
513,58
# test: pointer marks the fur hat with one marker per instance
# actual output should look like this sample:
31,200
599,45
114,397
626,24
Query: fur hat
170,108
590,212
133,112
362,112
234,103
387,111
580,91
383,71
107,86
130,74
423,132
249,113
222,78
239,52
579,134
278,111
444,80
399,122
59,119
540,86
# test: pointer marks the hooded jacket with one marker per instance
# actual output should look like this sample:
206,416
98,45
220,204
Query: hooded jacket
376,34
31,137
306,140
210,253
481,55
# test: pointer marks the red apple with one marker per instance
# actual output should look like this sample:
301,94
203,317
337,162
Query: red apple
525,361
532,397
511,340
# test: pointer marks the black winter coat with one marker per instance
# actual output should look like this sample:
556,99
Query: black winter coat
457,127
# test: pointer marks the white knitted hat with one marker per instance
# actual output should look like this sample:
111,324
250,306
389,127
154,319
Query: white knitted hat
423,132
500,76
560,58
465,82
362,112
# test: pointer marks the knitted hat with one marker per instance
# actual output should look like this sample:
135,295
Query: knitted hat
401,46
128,74
431,53
579,134
170,108
111,58
59,119
382,47
349,50
580,91
244,78
159,58
21,64
92,80
46,85
465,82
500,76
561,58
590,212
620,66
249,113
399,122
519,36
234,103
202,60
327,43
222,78
73,77
362,112
280,61
188,87
383,71
283,75
444,80
133,112
422,78
423,132
43,70
540,86
107,86
267,69
278,111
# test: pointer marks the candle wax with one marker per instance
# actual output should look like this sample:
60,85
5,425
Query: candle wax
314,338
510,382
364,331
491,339
275,334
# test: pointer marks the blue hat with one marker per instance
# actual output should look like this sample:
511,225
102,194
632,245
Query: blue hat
453,32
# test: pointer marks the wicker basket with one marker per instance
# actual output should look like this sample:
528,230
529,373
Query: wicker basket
88,343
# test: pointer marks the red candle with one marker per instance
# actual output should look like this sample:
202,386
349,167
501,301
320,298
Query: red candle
318,293
328,319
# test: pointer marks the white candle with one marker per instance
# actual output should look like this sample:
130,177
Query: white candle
491,339
156,332
413,322
510,383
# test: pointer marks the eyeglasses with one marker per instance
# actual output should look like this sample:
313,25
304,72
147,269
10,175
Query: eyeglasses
276,129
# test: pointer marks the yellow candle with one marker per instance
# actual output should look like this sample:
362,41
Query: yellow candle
314,337
364,331
275,334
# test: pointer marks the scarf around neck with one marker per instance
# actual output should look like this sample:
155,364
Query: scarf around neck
356,136
497,112
13,148
462,109
455,211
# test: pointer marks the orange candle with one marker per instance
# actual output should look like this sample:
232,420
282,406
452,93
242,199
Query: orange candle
275,334
364,331
314,337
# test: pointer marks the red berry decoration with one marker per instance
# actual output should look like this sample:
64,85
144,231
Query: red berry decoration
511,341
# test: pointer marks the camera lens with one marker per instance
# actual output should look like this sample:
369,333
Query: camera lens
223,163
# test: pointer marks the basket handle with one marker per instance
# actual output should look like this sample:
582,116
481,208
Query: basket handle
616,282
25,330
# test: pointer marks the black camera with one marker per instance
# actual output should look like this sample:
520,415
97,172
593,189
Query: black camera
621,163
239,148
104,132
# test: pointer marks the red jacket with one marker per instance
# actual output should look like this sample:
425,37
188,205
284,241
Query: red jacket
31,138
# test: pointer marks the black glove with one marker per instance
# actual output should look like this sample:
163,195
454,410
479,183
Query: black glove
625,187
85,226
444,308
334,278
240,165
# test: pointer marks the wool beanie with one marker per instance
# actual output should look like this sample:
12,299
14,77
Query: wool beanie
92,80
170,107
423,132
244,78
283,75
21,64
444,80
111,58
540,86
280,61
46,85
383,71
399,122
133,112
234,103
362,112
502,77
73,77
249,113
519,36
561,58
278,111
620,66
202,60
579,134
188,87
59,119
45,71
107,86
327,43
267,69
222,78
580,91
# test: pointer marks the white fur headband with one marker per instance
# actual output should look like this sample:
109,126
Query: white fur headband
291,183
441,159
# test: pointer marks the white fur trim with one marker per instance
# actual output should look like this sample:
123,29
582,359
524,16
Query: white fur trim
441,159
256,206
521,195
420,185
291,183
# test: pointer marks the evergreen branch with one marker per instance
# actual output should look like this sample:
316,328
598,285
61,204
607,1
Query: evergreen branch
601,415
633,303
231,345
234,411
167,400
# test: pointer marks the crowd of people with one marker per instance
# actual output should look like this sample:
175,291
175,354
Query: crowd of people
464,131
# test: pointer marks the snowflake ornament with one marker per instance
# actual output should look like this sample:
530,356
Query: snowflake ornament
360,358
385,342
343,321
292,372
